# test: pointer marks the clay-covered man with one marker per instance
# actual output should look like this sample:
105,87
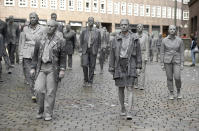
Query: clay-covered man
90,41
144,45
48,67
31,33
125,59
12,39
172,60
70,38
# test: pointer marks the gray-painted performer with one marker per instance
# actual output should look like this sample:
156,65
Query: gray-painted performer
124,63
144,45
28,37
48,67
70,37
90,41
172,60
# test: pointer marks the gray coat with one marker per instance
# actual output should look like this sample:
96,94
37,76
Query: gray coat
12,35
95,42
134,56
3,27
57,53
70,38
172,51
27,40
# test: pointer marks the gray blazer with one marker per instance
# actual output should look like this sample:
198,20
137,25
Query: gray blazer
95,41
57,54
27,40
134,56
172,51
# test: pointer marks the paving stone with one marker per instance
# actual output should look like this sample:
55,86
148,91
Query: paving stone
97,108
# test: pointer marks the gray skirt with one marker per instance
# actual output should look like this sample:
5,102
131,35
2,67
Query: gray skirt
124,80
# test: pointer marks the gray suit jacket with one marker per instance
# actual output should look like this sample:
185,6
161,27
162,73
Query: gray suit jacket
134,56
57,54
95,41
27,40
172,51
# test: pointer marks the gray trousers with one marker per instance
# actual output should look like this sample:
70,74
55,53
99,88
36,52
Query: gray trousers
158,53
140,80
46,88
26,70
173,70
6,59
11,51
102,58
88,65
70,60
0,68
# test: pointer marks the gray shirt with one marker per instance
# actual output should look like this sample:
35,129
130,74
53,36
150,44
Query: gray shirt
124,46
46,52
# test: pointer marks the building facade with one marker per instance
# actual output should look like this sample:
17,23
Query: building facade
156,15
194,18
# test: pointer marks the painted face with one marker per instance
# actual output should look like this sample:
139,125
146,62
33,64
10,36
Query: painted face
90,21
124,25
139,28
11,20
54,17
51,27
172,30
33,19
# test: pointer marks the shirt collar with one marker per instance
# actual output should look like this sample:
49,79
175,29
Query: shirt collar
169,36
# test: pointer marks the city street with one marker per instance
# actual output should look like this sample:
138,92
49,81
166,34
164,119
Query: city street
80,108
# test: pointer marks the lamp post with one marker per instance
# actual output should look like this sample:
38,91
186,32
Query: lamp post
175,13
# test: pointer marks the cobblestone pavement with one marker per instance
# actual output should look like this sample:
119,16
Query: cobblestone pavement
97,108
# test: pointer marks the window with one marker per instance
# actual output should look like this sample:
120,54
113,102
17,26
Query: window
88,6
173,13
136,9
110,7
168,12
153,12
53,4
179,14
79,5
102,6
117,8
62,4
34,3
71,6
142,10
23,3
158,11
147,10
123,8
9,2
164,12
44,3
185,15
186,1
130,8
95,6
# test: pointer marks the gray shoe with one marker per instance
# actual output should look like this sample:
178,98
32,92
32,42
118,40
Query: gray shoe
85,84
89,85
171,96
141,88
39,116
34,99
123,112
135,86
179,95
129,117
48,118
